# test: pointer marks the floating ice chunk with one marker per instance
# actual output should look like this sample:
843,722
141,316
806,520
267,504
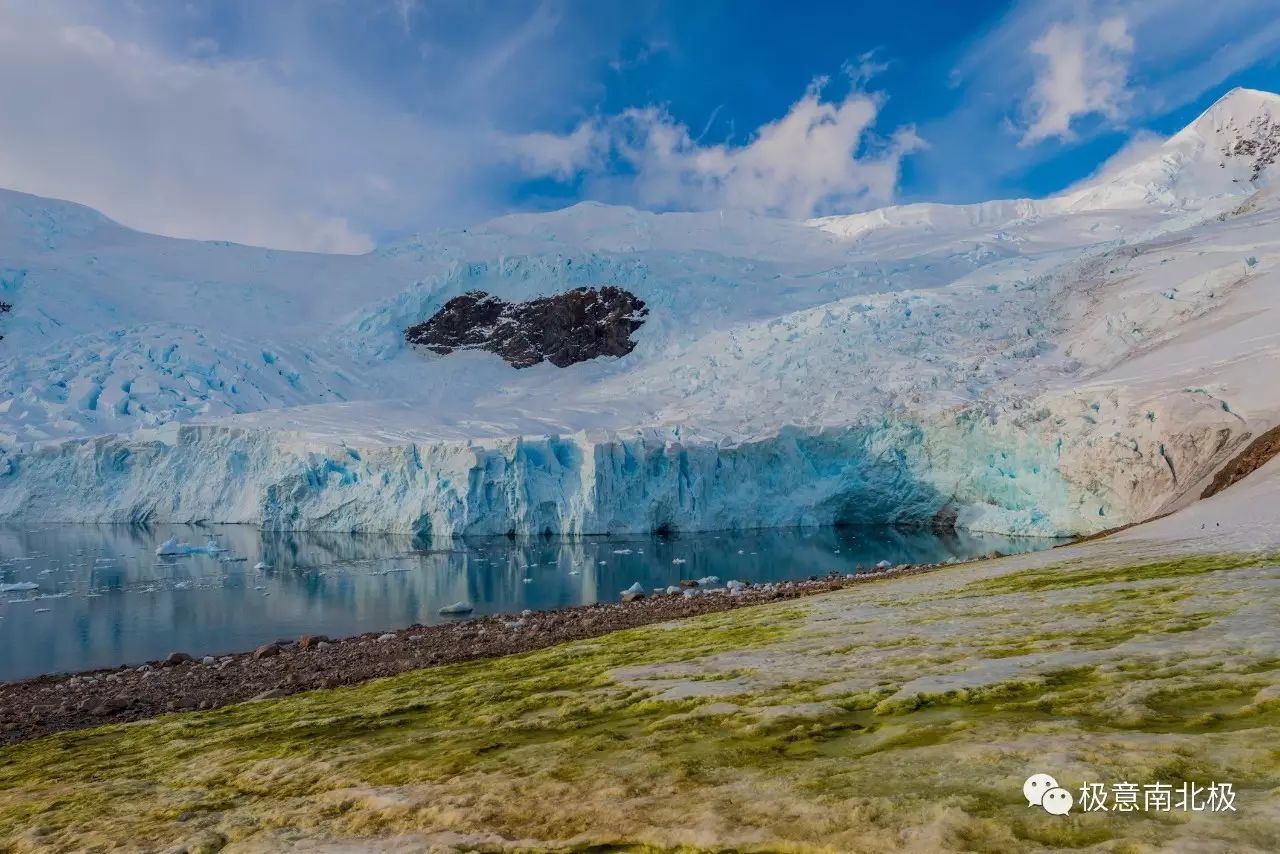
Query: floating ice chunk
18,585
171,547
678,560
622,551
673,589
261,565
734,584
634,588
709,581
884,564
457,608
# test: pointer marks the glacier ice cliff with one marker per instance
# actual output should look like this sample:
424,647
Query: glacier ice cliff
1055,366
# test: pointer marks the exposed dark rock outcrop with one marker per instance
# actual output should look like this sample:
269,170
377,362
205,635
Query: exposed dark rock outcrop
1255,456
571,327
5,308
1258,141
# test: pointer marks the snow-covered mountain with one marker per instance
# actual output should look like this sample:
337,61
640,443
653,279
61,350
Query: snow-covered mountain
1034,366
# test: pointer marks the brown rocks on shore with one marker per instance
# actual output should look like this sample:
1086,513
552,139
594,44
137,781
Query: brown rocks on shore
63,702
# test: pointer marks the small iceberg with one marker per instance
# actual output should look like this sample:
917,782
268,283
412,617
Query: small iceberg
261,565
457,608
709,581
18,585
634,588
172,548
884,564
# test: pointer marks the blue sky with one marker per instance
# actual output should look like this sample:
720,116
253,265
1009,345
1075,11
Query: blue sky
336,125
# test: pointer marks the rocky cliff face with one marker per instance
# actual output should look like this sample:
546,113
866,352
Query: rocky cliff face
571,327
1258,141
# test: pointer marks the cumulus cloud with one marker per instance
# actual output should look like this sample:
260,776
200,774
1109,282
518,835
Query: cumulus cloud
177,133
821,157
556,156
1082,69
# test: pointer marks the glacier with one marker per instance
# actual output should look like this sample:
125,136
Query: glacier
1043,367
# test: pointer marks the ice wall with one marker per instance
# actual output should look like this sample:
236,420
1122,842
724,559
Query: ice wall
1012,473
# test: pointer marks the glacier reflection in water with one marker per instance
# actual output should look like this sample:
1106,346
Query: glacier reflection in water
104,598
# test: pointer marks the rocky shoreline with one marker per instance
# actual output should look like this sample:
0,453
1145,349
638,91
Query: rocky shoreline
181,682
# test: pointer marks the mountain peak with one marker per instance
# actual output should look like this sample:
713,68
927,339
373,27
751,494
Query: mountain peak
1228,150
1242,126
1244,102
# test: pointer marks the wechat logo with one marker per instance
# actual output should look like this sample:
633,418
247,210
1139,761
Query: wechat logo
1041,790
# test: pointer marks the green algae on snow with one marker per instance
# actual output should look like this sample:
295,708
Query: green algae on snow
1059,577
848,722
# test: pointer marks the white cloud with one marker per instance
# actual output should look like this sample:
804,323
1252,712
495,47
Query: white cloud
270,153
172,132
821,157
558,156
1083,69
1137,148
170,146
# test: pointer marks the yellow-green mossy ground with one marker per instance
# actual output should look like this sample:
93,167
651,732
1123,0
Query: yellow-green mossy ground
903,715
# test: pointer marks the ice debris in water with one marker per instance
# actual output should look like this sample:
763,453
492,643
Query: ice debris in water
18,585
457,608
261,565
634,588
709,581
884,564
678,560
172,547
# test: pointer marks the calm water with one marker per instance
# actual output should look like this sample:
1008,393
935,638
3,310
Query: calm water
104,598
